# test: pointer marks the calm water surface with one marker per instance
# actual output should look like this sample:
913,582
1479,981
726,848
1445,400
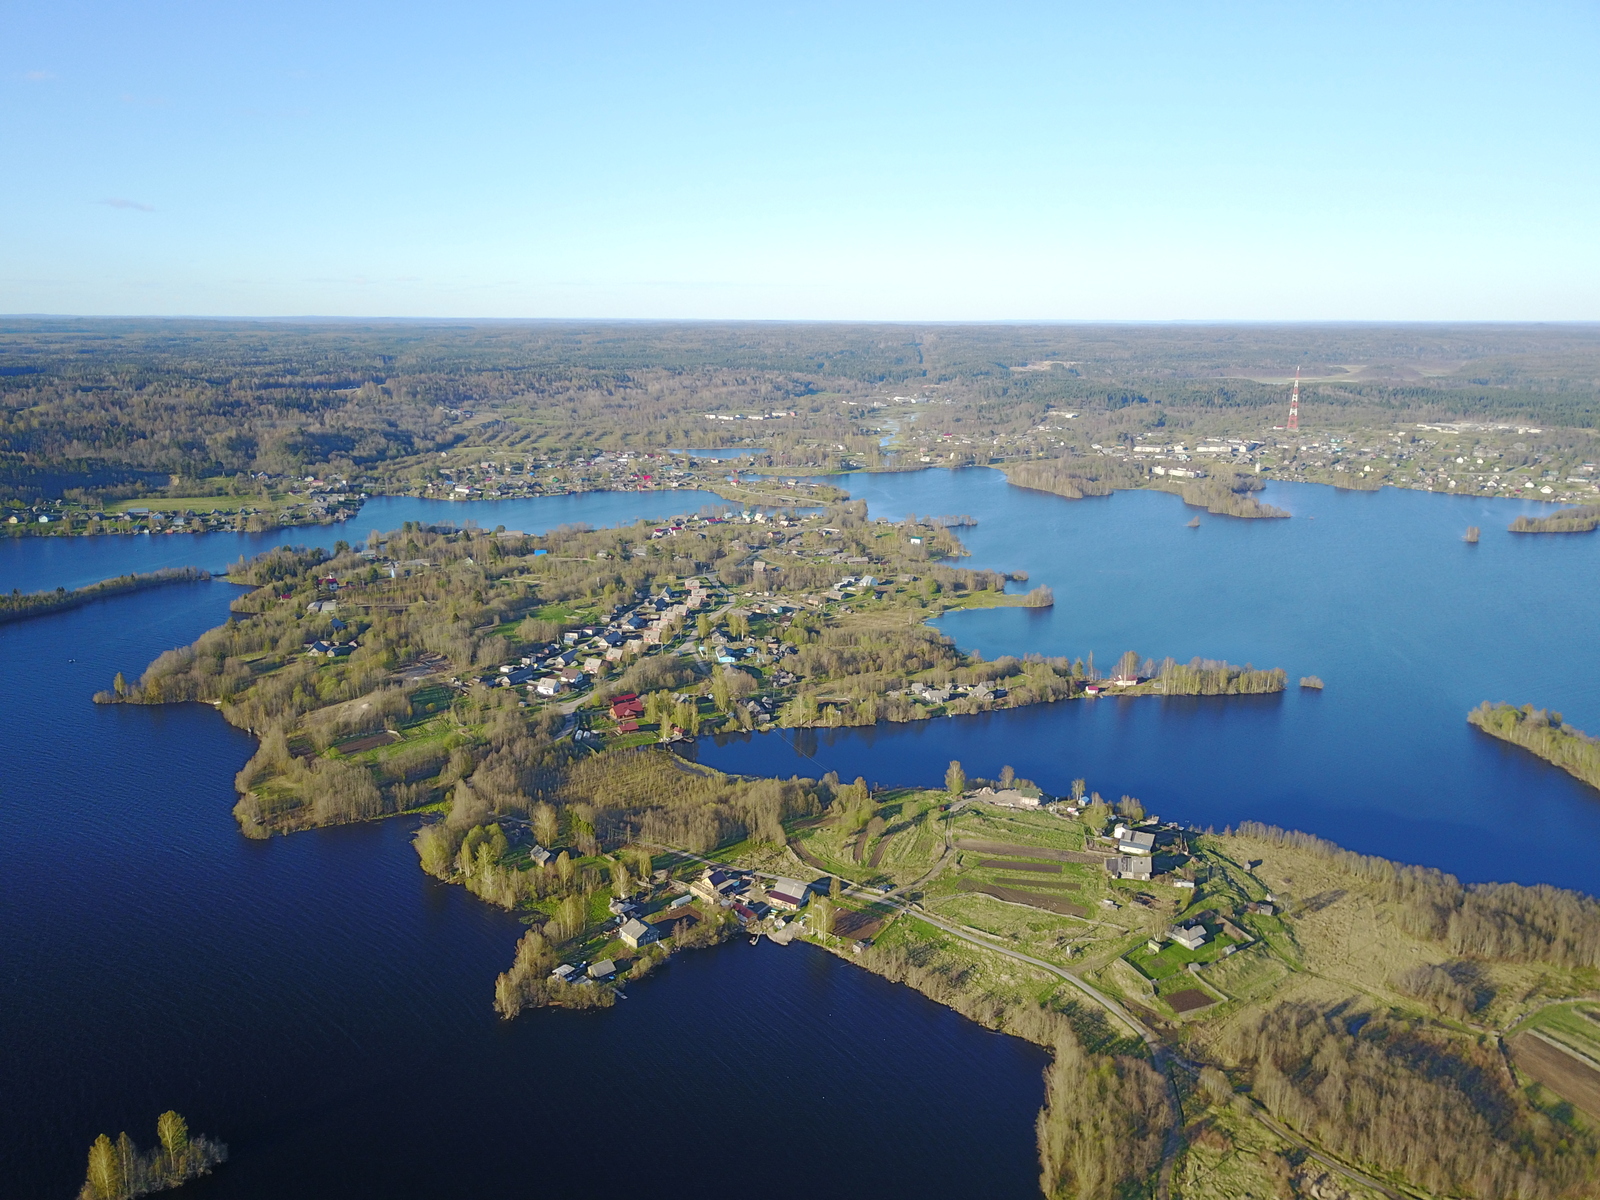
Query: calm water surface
1375,592
324,1007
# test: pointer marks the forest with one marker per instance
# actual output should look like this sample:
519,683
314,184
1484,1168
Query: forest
104,409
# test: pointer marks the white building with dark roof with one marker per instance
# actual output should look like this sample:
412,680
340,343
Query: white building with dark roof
788,893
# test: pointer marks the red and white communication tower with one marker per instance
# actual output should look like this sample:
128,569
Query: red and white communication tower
1294,402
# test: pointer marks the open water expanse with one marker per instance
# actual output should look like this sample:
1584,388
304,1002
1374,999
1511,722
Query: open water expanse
324,1007
1375,592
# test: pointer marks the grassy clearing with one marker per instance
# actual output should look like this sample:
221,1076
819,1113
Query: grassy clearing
1573,1025
1172,959
205,504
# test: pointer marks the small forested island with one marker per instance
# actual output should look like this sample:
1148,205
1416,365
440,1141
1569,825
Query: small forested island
19,605
119,1170
1225,495
1542,733
1583,519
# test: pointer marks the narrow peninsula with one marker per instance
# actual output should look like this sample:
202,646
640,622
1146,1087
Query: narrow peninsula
1544,734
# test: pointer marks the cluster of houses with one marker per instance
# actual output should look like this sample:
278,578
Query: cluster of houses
1136,849
555,669
550,669
724,887
733,889
943,695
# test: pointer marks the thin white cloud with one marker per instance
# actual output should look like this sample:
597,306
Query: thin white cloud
38,76
119,202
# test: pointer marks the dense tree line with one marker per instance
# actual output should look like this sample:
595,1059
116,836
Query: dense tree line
1383,1093
1505,921
1075,478
1104,1124
1582,519
1207,677
1543,733
119,1170
36,604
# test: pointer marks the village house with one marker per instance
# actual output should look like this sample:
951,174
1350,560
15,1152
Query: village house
1190,937
788,893
602,970
636,933
717,885
1134,841
627,707
1130,866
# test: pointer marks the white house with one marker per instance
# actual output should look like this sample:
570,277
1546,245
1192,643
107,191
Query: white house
1134,841
636,933
788,893
1190,937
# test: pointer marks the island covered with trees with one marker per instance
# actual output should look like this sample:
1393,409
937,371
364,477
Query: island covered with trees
1567,520
119,1170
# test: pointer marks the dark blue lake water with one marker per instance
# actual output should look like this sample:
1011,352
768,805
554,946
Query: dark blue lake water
323,1006
1375,592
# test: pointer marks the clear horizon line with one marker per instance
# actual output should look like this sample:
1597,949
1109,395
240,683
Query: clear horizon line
950,321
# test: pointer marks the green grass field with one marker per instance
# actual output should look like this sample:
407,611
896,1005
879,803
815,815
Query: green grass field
1576,1026
1173,958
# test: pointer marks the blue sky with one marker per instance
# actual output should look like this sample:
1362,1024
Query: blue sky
980,161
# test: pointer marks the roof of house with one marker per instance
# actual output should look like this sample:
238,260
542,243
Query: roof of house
602,969
788,889
635,929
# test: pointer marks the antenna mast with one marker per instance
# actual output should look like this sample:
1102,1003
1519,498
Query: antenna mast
1294,402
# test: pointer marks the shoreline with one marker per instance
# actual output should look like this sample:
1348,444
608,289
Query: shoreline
45,603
